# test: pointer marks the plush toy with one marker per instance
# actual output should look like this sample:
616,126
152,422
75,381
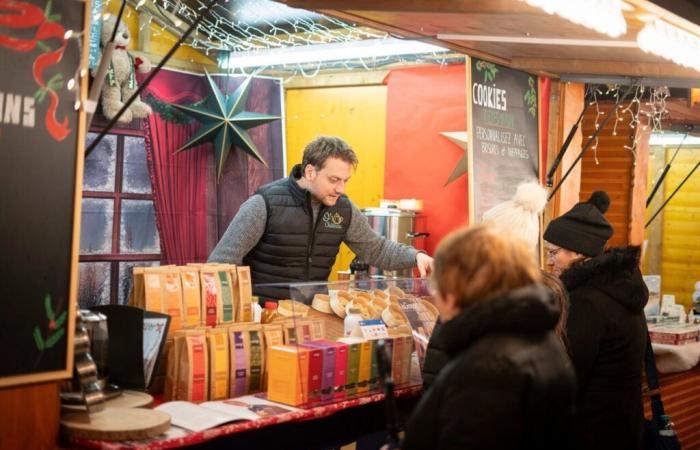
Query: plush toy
120,81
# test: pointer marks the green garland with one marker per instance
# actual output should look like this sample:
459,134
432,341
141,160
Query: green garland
168,113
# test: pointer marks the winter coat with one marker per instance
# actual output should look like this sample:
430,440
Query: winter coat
606,329
435,358
508,383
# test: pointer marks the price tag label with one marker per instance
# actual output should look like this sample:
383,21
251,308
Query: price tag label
373,329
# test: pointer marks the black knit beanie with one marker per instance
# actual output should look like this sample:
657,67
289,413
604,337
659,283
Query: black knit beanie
583,228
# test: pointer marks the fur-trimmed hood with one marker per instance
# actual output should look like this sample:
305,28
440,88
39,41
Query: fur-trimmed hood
528,310
615,272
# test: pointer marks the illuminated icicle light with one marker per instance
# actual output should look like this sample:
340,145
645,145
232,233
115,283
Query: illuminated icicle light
604,16
329,52
71,84
670,42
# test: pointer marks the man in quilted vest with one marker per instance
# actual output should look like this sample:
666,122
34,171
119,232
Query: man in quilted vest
290,230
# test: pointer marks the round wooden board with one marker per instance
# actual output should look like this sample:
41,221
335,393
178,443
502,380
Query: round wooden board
127,399
116,424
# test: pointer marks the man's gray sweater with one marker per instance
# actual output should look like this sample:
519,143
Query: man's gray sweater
248,226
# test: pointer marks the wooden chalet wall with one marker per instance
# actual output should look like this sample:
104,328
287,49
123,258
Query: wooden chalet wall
610,167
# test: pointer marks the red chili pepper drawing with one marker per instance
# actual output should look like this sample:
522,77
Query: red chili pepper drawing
20,14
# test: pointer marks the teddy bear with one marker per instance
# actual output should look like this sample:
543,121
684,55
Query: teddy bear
120,80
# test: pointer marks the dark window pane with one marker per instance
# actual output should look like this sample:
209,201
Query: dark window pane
138,233
125,278
136,177
93,283
100,164
96,226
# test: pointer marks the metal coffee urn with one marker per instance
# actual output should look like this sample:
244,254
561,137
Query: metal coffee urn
396,225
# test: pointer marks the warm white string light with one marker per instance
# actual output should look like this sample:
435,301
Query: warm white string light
604,16
653,109
670,42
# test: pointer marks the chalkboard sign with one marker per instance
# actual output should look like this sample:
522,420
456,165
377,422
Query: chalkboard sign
41,141
503,134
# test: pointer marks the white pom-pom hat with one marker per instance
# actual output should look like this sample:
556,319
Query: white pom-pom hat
520,216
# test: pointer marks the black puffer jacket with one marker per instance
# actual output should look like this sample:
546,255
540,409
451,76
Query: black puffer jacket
508,383
607,335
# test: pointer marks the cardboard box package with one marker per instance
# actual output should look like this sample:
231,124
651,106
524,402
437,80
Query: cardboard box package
288,374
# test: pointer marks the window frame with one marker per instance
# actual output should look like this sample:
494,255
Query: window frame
115,257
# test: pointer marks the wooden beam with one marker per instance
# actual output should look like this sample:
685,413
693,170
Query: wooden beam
357,19
655,232
638,194
600,67
681,13
144,31
428,6
338,80
571,102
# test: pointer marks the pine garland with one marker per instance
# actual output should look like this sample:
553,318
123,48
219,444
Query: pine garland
168,113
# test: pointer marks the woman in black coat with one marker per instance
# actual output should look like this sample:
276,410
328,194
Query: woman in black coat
606,328
508,383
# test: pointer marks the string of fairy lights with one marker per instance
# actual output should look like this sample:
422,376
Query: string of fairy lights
646,109
233,27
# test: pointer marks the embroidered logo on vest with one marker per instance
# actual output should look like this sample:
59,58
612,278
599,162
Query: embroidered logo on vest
332,220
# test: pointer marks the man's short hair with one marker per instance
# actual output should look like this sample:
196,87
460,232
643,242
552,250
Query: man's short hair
323,147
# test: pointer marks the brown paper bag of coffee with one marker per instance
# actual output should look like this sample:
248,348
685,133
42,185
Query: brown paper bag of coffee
211,297
171,360
227,311
191,297
217,340
137,296
172,297
192,366
244,291
153,289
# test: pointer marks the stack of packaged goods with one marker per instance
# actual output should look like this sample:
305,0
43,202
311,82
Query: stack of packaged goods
196,294
226,361
321,370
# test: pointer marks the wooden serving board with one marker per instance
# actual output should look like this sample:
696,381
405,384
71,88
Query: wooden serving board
127,399
116,424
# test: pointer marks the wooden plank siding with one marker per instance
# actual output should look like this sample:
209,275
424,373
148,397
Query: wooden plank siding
610,167
680,393
680,246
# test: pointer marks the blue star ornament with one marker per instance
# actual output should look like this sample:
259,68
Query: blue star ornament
225,123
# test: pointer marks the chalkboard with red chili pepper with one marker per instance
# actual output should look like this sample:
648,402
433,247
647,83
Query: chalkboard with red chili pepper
38,155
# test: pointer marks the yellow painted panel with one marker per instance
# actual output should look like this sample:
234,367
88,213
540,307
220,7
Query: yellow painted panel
680,255
161,40
356,114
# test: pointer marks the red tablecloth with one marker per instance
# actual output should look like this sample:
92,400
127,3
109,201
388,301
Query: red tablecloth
178,438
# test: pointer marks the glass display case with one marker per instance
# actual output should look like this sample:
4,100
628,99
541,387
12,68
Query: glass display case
403,305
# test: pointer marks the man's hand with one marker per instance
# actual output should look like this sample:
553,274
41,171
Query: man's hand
424,264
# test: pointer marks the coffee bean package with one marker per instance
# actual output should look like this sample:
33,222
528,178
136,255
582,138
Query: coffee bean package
218,363
191,297
192,366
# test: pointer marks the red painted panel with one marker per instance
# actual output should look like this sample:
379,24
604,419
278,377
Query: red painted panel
421,103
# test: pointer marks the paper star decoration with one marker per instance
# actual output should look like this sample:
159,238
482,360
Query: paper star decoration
224,122
459,138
